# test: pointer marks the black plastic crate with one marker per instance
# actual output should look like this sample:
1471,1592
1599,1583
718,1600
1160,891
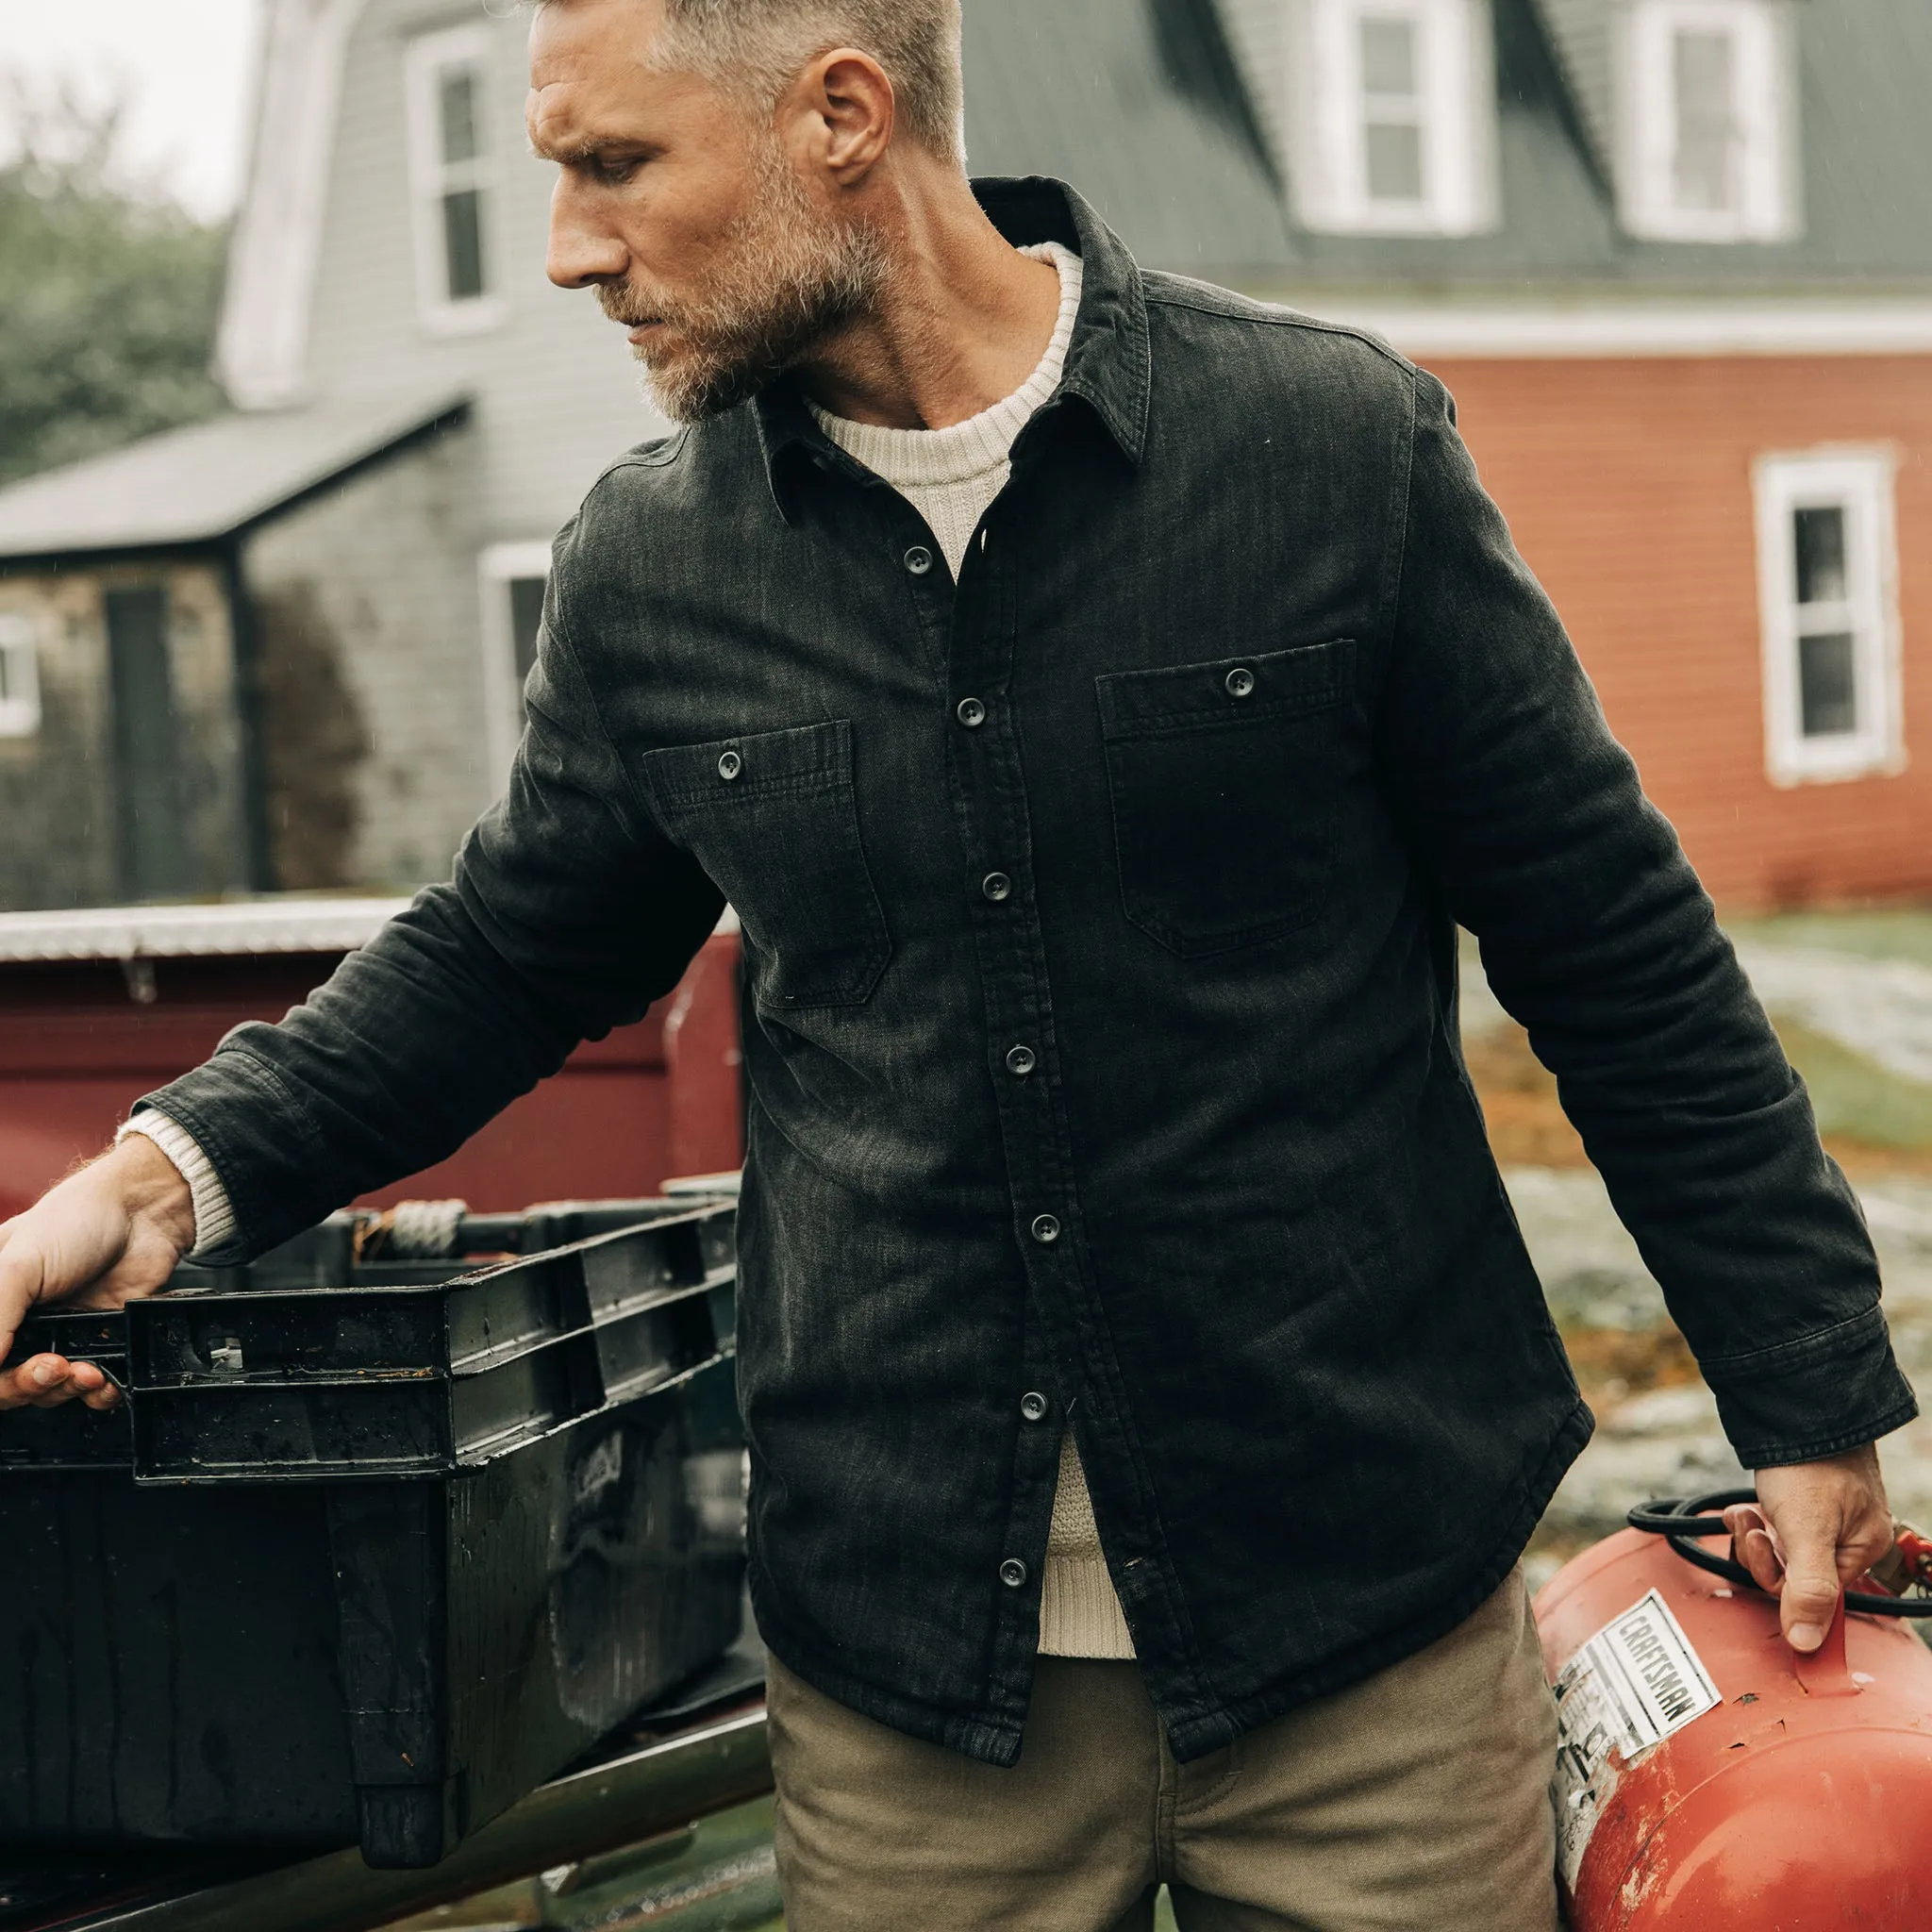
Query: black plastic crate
377,1541
388,1662
318,1363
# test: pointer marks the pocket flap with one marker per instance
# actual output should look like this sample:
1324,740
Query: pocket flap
806,758
1135,704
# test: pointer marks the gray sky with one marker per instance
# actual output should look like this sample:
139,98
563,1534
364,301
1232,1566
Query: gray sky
187,67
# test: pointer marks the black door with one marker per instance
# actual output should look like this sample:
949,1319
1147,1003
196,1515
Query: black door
147,746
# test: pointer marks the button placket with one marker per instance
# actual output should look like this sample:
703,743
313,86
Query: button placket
1016,1008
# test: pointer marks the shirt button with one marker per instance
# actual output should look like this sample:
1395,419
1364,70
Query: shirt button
919,560
1033,1406
1013,1574
729,766
1022,1061
996,886
971,713
1240,684
1046,1230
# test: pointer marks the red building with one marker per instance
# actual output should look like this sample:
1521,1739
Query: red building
1675,508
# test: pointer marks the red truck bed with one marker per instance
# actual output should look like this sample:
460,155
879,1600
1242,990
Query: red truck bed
99,1008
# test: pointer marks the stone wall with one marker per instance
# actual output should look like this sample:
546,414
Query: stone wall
370,672
60,797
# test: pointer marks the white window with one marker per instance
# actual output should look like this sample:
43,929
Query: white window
1707,122
20,678
1828,586
451,174
1392,118
514,578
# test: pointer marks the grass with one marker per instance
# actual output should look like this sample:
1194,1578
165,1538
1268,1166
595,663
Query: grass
1855,1097
1887,933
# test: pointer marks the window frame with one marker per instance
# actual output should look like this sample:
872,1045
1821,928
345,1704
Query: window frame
426,61
1766,104
500,566
1455,96
20,646
1862,482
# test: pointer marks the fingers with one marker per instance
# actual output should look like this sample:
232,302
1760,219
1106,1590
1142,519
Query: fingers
47,1381
1869,1538
1829,1520
1751,1545
1810,1598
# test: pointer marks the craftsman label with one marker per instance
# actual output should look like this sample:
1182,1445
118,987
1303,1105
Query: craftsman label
1633,1683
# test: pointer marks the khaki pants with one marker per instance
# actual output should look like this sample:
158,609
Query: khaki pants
1419,1800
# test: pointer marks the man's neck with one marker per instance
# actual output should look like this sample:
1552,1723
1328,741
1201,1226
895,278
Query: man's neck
961,322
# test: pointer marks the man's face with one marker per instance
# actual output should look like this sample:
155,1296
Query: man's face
686,211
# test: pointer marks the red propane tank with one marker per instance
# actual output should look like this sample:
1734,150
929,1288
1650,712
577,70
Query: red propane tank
1711,1781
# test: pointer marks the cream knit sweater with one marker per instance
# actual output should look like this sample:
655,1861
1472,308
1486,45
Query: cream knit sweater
950,476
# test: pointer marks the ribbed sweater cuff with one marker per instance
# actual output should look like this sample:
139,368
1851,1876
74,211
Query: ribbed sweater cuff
214,1218
1080,1613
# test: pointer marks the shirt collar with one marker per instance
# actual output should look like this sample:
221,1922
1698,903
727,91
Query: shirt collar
1107,365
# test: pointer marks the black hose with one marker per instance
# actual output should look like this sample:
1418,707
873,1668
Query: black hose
1678,1519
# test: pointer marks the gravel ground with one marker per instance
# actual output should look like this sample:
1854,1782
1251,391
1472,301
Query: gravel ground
1667,1441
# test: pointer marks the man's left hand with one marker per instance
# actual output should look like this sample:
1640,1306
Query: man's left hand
1815,1528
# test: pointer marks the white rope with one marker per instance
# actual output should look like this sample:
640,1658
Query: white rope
426,1230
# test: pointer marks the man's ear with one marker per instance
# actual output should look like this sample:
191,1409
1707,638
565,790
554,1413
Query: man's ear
847,110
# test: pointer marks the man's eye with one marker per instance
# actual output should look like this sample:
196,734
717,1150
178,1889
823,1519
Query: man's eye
615,173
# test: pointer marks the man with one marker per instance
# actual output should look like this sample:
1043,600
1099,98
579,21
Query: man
1100,697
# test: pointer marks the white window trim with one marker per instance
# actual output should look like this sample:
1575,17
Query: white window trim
429,179
1767,208
498,567
1861,481
1327,159
20,711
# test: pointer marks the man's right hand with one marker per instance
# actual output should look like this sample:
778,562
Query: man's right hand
106,1236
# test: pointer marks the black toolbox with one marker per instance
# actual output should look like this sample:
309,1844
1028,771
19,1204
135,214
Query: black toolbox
378,1542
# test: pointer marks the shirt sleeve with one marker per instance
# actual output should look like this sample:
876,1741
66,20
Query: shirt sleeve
568,915
1532,828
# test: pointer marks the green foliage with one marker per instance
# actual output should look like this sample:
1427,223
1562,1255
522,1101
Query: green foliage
1853,1096
107,297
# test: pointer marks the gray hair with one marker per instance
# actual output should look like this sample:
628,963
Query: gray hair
756,48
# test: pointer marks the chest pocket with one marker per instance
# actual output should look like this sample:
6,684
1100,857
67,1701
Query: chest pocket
1226,781
773,819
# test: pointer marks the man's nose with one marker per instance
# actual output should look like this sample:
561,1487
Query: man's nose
582,253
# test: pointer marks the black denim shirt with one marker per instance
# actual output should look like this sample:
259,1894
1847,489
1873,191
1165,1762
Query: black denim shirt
1101,1011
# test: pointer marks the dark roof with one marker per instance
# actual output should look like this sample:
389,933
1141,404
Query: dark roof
1141,105
1163,112
199,485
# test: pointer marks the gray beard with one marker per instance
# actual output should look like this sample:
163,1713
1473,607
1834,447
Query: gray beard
794,280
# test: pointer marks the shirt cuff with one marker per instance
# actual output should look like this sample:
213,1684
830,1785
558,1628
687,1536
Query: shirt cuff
214,1218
